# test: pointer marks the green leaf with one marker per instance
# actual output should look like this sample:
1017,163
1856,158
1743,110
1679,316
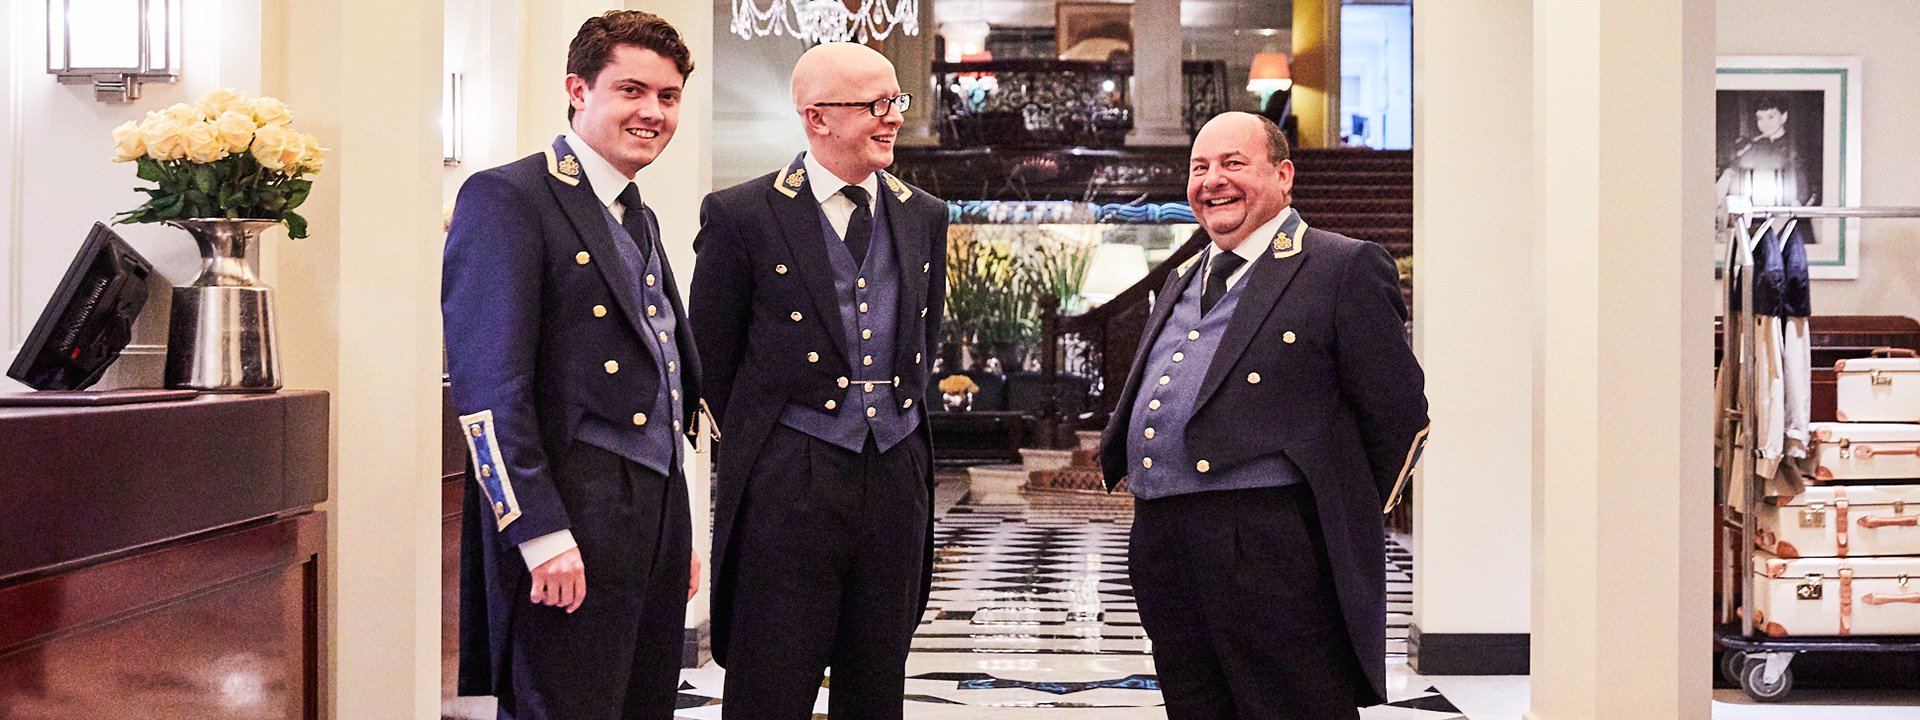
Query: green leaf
298,196
149,169
296,226
204,181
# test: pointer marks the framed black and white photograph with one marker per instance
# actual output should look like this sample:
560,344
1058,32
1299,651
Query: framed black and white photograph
1787,132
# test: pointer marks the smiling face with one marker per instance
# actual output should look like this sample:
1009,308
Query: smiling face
849,141
1770,121
630,110
1233,185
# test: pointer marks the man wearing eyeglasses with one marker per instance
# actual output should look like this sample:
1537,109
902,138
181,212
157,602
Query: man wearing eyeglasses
816,300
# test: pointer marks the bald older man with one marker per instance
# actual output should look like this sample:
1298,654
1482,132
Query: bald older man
816,301
1273,411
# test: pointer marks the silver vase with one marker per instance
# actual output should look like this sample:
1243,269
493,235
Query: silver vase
220,337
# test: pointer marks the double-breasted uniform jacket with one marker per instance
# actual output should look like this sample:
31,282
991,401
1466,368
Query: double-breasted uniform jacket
770,330
543,329
1314,364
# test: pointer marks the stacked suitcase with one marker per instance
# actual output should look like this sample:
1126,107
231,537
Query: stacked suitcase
1842,558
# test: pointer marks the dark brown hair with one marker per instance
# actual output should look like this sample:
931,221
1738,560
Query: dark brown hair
1277,150
593,46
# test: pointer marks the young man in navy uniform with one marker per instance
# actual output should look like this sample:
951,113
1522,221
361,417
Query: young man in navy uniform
576,385
1273,412
816,302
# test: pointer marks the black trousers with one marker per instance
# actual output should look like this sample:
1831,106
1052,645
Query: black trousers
828,563
618,656
1235,591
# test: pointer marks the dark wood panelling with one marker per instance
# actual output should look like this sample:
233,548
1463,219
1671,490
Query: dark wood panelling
79,484
226,625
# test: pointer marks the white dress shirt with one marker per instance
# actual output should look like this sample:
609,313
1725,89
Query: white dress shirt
826,190
1250,248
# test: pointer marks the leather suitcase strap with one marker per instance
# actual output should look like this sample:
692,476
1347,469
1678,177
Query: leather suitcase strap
1846,601
1840,535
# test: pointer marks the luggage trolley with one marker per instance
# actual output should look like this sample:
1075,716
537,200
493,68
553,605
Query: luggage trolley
1759,664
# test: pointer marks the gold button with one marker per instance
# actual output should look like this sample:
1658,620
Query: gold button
925,266
1177,357
813,357
1253,378
499,508
1193,334
1202,466
613,366
1146,462
599,311
872,412
923,312
797,317
1164,379
1287,337
639,418
1149,433
582,258
863,307
671,366
653,310
486,471
866,334
863,282
868,387
868,360
896,381
843,383
649,279
475,431
676,426
831,404
663,336
1153,405
780,269
916,358
907,404
676,394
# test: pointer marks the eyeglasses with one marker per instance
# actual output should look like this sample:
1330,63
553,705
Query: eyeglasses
878,107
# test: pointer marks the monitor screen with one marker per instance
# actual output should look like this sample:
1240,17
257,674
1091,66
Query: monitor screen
89,320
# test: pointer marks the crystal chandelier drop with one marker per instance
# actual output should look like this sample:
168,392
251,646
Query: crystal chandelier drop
826,20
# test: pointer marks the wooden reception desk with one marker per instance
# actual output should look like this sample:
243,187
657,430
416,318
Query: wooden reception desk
163,559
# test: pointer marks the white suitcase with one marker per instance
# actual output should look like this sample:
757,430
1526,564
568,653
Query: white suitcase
1878,389
1841,521
1835,596
1866,451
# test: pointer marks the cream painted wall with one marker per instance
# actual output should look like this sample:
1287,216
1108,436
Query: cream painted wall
56,179
1879,32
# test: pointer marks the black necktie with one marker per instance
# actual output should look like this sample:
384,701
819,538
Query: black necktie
1222,265
635,220
860,227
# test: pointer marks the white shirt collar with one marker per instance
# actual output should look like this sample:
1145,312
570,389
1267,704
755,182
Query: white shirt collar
605,181
826,185
1250,248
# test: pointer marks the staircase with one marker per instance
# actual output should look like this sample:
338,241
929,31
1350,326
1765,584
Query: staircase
1081,473
1357,192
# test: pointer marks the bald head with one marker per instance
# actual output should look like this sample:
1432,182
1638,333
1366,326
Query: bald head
1238,177
833,66
835,88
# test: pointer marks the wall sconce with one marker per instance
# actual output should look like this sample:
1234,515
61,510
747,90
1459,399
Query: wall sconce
453,121
114,45
1270,73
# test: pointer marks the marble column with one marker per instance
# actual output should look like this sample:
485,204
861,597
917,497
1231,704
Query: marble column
1157,91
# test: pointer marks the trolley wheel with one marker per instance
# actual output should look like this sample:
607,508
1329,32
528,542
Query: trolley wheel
1753,681
1733,666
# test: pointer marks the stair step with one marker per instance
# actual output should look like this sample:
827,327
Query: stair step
1313,207
1372,220
1357,192
1353,178
1071,479
1086,458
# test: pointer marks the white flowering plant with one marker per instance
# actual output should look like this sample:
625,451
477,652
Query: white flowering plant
226,156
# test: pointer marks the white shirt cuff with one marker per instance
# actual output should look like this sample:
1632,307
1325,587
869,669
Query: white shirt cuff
546,547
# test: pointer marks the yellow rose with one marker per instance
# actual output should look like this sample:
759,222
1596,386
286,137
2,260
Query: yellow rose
219,101
182,113
162,134
278,149
235,129
203,142
312,156
270,111
128,143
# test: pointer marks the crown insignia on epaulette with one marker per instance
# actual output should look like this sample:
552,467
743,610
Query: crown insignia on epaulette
569,166
1282,244
795,178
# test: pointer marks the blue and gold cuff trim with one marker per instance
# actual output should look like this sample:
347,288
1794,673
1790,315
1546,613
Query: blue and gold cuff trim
489,468
1406,469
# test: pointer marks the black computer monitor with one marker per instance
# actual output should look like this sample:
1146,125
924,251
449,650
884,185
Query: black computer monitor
89,320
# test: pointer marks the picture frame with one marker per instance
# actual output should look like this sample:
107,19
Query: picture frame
1787,132
1101,31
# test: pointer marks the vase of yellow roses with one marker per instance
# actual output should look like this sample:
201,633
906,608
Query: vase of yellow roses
226,170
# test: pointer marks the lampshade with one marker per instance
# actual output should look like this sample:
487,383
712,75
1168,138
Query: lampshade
1113,268
1270,72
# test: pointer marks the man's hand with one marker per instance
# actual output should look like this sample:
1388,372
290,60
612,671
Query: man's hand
561,582
693,576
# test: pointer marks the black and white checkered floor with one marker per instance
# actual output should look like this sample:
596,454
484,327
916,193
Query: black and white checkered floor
1031,615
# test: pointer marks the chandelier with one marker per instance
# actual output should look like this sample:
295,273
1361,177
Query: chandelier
826,20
